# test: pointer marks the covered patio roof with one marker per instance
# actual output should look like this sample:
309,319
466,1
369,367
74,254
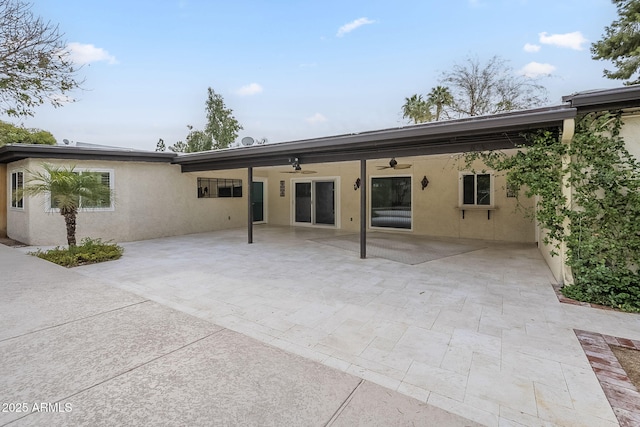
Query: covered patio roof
453,136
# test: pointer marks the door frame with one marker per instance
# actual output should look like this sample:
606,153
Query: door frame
370,203
336,201
265,198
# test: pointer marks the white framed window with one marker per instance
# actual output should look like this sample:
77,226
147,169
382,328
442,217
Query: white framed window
391,202
476,189
17,186
106,177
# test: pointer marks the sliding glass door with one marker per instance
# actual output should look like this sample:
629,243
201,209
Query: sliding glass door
315,202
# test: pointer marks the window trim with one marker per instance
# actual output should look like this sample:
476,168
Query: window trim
11,190
370,202
475,205
336,200
209,194
111,208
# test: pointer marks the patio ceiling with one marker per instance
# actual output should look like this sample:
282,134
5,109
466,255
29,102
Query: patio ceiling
454,136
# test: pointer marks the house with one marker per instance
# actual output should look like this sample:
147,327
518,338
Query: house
409,179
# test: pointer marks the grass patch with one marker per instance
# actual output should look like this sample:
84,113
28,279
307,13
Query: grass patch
90,251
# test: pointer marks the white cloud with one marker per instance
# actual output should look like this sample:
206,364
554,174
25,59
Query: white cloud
536,69
250,89
347,28
531,47
316,118
82,54
573,40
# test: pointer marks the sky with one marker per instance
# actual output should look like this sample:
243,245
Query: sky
293,70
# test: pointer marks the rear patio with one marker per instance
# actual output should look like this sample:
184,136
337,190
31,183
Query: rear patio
470,326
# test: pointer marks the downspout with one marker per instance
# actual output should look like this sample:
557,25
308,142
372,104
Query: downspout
568,131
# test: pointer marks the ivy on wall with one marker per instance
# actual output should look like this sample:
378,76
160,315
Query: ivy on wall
603,236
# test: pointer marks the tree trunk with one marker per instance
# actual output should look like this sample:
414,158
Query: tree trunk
70,221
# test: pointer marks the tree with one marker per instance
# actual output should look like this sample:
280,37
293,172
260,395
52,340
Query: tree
441,97
489,88
179,147
160,145
198,140
221,124
69,191
621,42
34,65
11,134
221,129
417,109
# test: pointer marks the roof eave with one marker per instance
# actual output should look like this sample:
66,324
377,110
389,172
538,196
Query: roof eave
15,152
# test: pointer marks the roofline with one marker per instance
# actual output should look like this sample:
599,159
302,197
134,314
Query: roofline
605,99
14,152
430,138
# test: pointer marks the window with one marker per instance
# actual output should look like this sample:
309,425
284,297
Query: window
17,185
391,202
105,203
476,189
219,187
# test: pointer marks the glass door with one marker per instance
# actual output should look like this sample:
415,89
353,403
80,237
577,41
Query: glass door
303,202
257,201
325,211
314,202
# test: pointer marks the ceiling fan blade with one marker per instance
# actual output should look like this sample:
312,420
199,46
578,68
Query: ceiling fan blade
383,167
403,166
308,172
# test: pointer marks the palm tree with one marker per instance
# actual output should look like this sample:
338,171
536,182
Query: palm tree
69,190
440,96
417,109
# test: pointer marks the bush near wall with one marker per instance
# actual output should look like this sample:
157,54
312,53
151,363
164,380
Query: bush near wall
603,238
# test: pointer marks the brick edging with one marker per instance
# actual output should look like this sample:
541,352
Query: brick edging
621,393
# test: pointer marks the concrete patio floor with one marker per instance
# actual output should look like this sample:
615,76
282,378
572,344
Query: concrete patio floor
75,351
480,333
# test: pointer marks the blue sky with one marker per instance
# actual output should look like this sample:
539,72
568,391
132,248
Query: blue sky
299,69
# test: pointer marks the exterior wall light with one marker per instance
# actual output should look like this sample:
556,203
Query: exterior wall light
356,184
424,182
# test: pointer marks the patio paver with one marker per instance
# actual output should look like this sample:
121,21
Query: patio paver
479,333
76,351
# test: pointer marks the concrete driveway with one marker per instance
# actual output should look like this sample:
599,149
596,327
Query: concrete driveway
478,332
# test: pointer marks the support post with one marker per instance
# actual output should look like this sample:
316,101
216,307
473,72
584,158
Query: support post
363,208
250,206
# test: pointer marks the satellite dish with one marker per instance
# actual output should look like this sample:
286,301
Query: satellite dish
65,141
247,140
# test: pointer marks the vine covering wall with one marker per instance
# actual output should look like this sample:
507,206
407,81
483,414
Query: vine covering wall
603,235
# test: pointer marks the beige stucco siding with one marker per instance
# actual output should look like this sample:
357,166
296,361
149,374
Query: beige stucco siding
151,200
156,200
435,209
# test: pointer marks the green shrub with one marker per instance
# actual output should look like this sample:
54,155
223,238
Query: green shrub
90,251
603,236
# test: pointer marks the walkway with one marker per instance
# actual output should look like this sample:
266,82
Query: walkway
480,333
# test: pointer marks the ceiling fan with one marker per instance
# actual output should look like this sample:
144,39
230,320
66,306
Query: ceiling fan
297,168
305,172
393,164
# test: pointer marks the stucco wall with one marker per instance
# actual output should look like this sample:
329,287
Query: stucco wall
435,210
156,200
151,200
